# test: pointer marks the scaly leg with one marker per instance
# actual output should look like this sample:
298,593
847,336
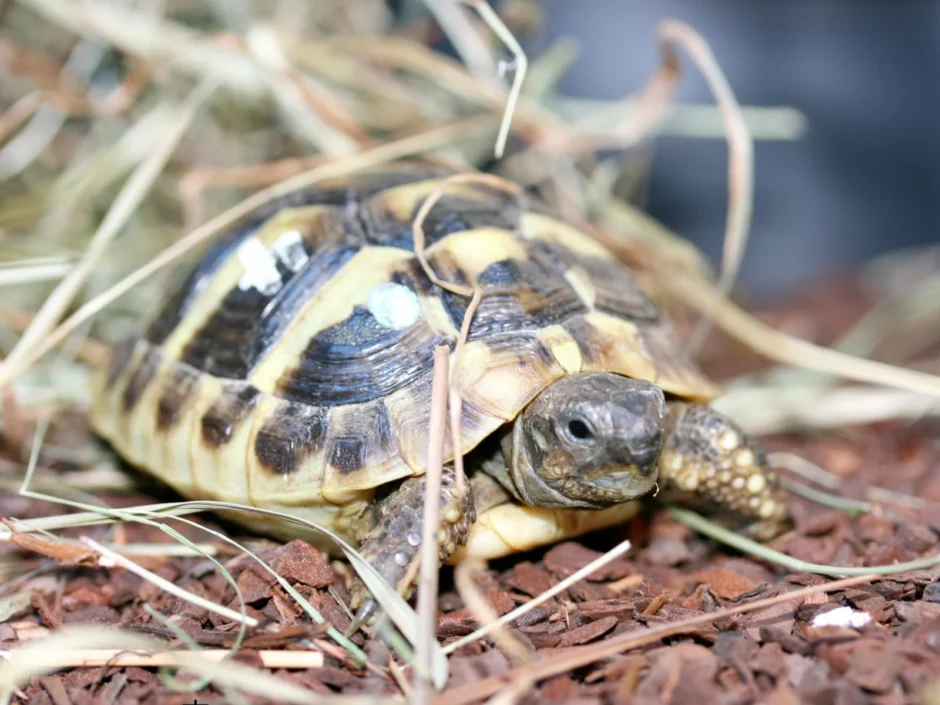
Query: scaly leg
708,463
393,543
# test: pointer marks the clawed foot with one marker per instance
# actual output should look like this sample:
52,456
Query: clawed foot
709,463
393,545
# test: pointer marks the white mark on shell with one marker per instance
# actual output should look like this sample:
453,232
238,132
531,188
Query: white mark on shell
401,558
414,538
289,248
393,305
260,268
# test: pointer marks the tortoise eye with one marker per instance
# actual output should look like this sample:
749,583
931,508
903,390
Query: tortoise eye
579,430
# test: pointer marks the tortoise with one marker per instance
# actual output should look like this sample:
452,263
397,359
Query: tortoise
291,369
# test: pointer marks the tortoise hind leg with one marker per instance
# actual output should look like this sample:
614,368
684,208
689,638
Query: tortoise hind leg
392,544
707,462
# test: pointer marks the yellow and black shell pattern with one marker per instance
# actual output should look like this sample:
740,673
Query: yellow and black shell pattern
293,365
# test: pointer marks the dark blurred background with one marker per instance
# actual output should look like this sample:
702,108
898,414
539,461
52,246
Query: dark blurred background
863,179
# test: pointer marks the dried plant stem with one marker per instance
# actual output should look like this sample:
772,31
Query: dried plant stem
783,348
468,43
745,545
92,352
20,112
650,106
417,226
117,101
128,199
45,123
456,402
110,557
430,549
557,588
120,658
740,156
512,693
475,293
772,408
521,67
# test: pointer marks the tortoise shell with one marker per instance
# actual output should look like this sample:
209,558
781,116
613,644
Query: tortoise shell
292,367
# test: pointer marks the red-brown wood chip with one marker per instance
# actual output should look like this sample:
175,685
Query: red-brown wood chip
300,562
587,633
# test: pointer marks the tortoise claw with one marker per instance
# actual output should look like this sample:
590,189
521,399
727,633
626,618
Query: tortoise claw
363,615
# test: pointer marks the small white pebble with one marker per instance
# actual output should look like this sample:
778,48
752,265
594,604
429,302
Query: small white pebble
842,617
394,306
289,248
260,268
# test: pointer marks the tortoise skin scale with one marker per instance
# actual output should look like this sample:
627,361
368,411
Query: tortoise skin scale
292,393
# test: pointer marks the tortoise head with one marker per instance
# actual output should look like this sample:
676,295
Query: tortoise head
588,440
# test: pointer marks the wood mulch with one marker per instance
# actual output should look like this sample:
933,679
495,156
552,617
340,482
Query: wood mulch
775,655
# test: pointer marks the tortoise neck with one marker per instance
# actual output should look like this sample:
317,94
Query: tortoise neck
493,457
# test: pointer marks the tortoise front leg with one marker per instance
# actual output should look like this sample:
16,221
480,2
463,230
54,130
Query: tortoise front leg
707,462
393,543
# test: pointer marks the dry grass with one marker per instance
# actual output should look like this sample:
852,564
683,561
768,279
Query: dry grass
162,118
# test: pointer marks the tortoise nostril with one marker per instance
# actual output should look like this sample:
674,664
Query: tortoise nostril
647,461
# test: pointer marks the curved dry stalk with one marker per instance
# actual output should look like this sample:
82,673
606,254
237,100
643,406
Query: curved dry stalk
789,350
535,120
476,294
117,101
740,156
520,60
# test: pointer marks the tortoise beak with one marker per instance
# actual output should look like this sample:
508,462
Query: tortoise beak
629,482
